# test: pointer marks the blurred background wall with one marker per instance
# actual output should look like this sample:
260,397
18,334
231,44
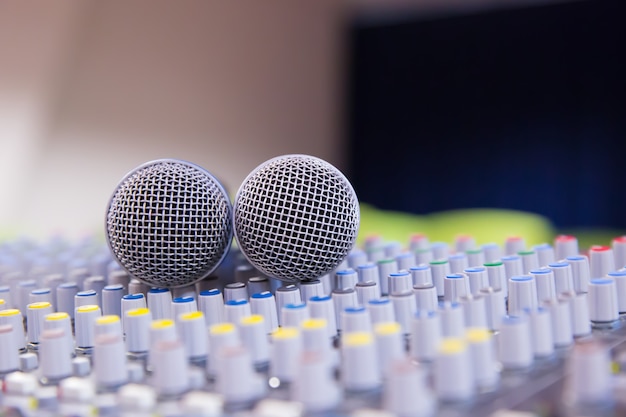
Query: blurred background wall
90,89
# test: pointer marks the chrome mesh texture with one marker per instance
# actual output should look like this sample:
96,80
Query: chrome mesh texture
296,217
169,223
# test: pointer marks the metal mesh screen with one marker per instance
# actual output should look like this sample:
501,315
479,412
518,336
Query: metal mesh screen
296,217
169,223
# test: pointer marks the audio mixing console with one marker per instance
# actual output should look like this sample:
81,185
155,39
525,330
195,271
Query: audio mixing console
422,329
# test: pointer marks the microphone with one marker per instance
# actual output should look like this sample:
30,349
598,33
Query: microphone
168,223
296,217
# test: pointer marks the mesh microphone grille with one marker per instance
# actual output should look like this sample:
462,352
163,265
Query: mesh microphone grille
169,223
296,217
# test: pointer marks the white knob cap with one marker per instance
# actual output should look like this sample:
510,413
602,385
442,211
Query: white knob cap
369,272
513,245
406,260
355,319
381,310
454,380
254,339
425,335
385,268
170,375
492,251
560,313
474,310
130,302
400,282
544,279
293,314
311,288
314,386
497,277
84,325
315,340
441,250
285,354
183,305
512,266
515,343
9,355
112,299
13,316
601,261
35,315
109,361
581,325
580,272
563,278
421,275
86,297
236,379
288,294
458,262
483,357
211,303
359,362
541,331
264,304
108,325
235,291
221,336
366,291
477,278
404,307
530,260
589,380
65,297
455,286
138,330
495,307
235,310
602,298
545,254
423,256
54,361
566,245
324,308
159,301
439,268
522,294
406,393
346,278
452,320
619,251
342,299
418,241
620,288
389,345
426,297
192,331
61,321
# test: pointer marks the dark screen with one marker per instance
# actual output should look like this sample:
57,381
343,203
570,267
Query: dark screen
518,108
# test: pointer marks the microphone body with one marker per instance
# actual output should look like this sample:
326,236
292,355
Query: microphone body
296,217
168,223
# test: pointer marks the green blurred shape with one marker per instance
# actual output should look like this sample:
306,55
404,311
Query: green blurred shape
485,225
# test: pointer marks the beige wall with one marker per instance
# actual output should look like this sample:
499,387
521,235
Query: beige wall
95,88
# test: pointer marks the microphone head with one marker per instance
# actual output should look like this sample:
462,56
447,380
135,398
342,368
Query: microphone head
296,217
168,223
